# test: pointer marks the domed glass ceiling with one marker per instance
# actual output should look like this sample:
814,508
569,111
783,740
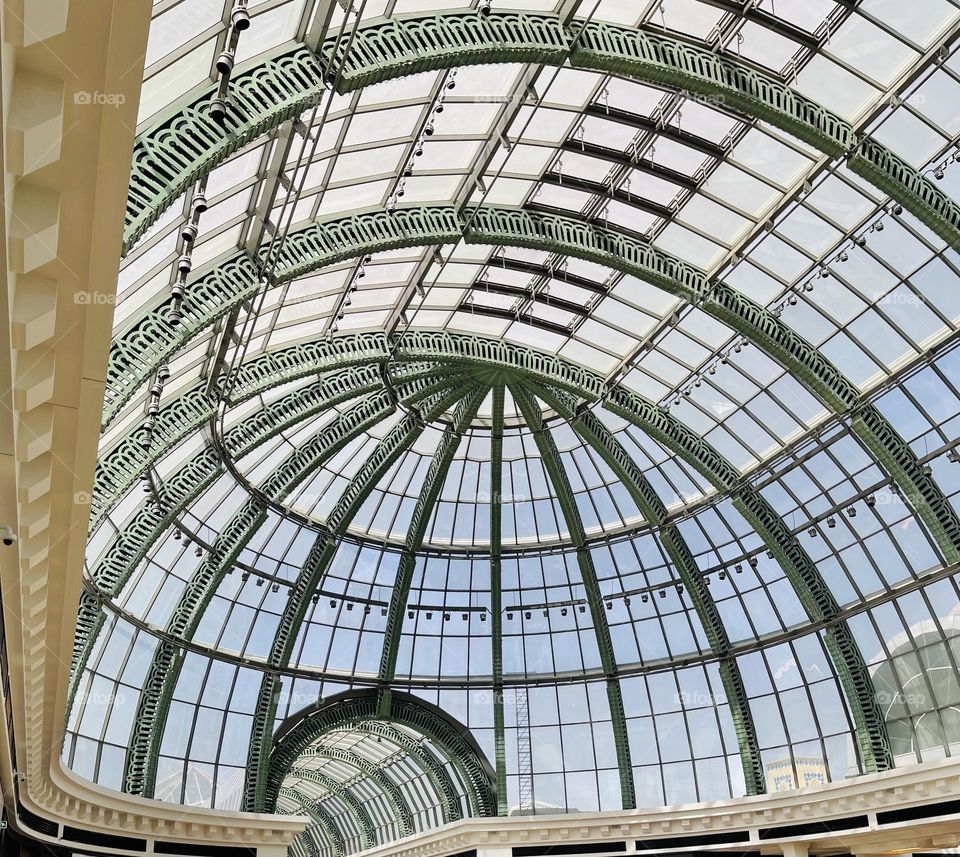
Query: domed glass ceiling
571,386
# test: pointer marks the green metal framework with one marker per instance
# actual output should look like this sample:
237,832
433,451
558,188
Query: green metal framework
173,154
162,676
320,818
136,352
599,438
321,555
544,374
362,710
426,502
550,457
403,817
368,836
496,593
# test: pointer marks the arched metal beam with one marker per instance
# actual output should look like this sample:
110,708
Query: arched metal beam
377,775
324,549
320,818
170,156
123,464
368,836
871,734
550,457
362,710
602,441
119,466
440,780
326,242
128,549
870,729
161,678
422,511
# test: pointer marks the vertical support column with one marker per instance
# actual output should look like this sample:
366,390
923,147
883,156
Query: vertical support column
496,596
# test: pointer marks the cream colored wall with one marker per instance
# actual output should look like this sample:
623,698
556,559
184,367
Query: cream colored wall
71,73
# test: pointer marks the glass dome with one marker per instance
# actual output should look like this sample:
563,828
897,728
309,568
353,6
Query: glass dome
535,408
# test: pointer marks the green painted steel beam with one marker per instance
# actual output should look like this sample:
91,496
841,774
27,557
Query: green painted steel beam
177,151
496,594
423,509
320,819
129,548
550,457
870,729
574,237
360,711
324,549
376,774
161,678
132,543
368,836
599,438
435,771
121,465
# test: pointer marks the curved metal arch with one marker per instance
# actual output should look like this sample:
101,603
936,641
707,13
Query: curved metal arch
368,836
694,449
320,818
319,243
377,775
802,573
168,157
423,509
161,678
129,547
131,544
602,441
550,457
318,560
871,733
363,709
120,466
